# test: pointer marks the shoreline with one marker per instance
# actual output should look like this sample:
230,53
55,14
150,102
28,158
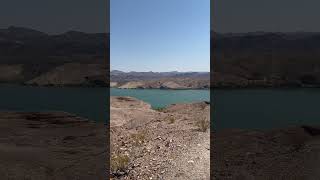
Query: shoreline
50,86
262,88
179,89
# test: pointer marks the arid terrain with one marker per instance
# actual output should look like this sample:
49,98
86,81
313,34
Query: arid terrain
265,59
169,143
31,57
170,83
51,145
291,154
160,80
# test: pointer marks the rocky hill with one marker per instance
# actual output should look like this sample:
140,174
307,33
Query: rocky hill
72,74
160,80
265,59
30,56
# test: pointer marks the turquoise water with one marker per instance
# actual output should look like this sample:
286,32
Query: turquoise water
86,102
91,103
265,108
161,98
238,108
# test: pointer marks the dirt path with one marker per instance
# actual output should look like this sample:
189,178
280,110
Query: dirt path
193,162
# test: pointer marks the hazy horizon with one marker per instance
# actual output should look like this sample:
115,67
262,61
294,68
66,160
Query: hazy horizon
220,32
53,33
160,71
54,17
160,36
257,31
264,15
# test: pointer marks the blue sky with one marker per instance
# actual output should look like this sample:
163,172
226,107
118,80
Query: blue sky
160,35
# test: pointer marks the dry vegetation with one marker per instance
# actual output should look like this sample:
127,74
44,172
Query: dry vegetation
160,109
139,138
119,164
203,124
171,119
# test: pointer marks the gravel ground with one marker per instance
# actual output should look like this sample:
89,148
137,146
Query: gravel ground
165,144
50,146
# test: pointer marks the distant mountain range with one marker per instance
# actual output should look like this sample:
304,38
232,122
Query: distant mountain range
30,46
27,54
265,59
160,80
121,76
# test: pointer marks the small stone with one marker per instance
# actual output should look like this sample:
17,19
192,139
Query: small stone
159,137
167,144
190,161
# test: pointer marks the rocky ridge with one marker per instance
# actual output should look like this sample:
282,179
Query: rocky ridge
30,57
160,80
265,59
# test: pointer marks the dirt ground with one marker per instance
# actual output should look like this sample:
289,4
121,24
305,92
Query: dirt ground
280,154
159,144
51,146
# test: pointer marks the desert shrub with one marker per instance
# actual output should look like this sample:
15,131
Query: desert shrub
171,119
119,163
139,138
160,109
203,124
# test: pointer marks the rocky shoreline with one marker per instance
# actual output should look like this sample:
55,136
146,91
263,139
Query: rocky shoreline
65,75
170,83
170,143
